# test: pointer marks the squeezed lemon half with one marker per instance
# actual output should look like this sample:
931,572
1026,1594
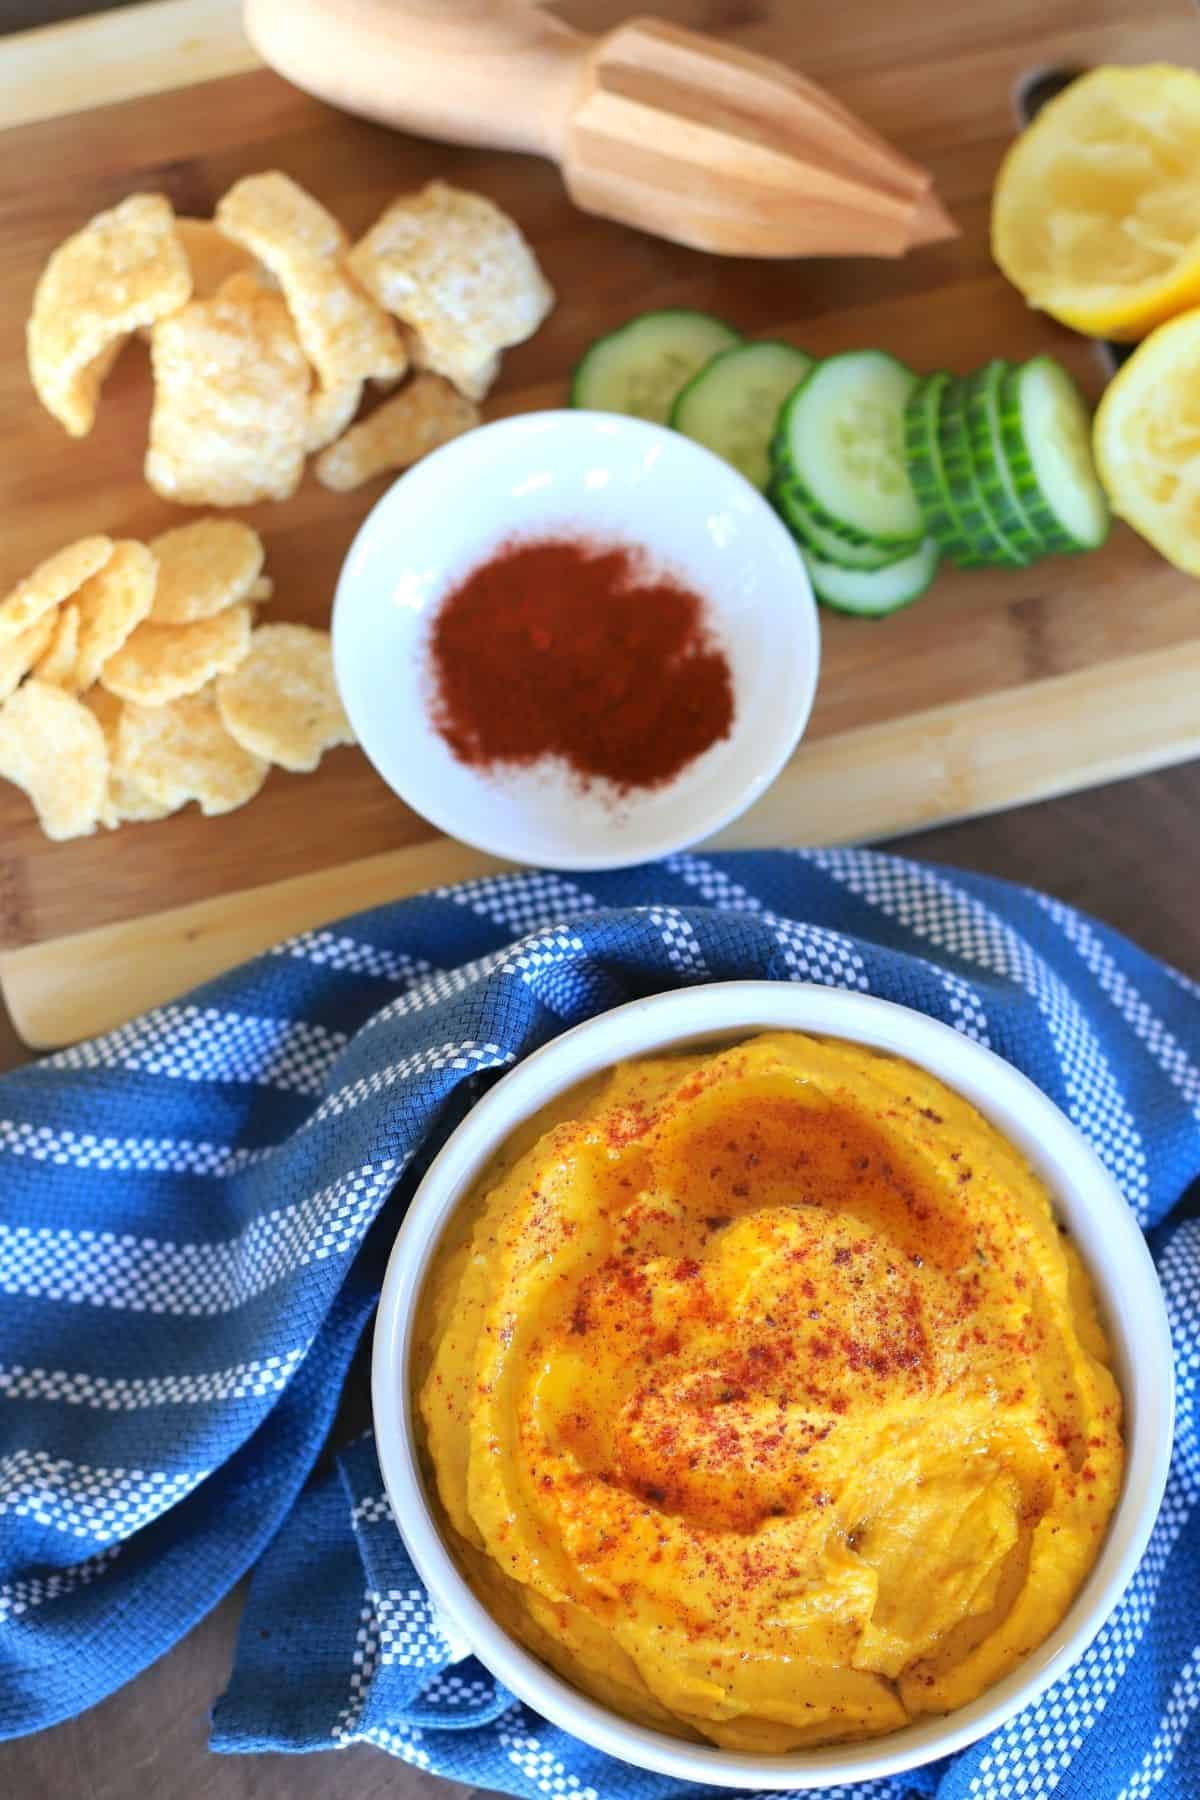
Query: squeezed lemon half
1096,209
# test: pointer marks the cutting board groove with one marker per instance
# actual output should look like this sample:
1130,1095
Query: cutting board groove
1053,656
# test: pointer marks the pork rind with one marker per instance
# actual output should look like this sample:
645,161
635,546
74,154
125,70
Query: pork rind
53,748
161,663
346,336
212,257
59,662
52,582
472,378
425,413
183,752
105,708
281,703
203,568
230,414
19,654
124,270
112,604
460,275
330,410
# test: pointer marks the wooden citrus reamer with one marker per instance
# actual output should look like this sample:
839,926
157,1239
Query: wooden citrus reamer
661,128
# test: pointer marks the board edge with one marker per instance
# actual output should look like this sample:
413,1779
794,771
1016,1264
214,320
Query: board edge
130,54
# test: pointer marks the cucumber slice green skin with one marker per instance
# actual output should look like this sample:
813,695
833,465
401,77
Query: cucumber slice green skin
922,447
874,593
732,404
1081,498
839,449
998,491
982,530
812,536
640,368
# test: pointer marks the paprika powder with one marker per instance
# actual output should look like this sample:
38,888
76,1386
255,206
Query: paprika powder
562,648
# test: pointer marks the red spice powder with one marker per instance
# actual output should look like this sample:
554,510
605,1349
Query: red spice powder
561,648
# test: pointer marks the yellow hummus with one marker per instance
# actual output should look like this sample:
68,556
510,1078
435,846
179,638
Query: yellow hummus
765,1399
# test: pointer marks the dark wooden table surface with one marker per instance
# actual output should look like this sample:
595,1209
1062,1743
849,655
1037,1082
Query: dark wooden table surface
1130,854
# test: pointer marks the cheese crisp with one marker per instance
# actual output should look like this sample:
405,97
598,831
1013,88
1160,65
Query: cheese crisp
54,748
203,568
182,752
59,660
161,663
281,702
108,697
19,654
112,604
126,801
53,581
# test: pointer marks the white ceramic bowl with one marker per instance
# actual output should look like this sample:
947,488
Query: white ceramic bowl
593,475
1087,1200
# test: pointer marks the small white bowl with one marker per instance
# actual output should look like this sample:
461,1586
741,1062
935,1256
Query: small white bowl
589,475
1087,1200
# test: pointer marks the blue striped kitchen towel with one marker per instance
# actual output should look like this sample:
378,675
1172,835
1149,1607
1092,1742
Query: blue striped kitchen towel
195,1212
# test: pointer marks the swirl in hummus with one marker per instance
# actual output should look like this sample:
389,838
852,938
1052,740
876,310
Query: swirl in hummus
765,1399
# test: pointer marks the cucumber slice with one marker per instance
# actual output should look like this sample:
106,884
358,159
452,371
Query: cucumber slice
641,368
733,404
1046,432
826,545
922,447
981,529
997,489
840,448
873,593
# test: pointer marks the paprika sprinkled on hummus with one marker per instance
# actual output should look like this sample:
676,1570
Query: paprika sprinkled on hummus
765,1399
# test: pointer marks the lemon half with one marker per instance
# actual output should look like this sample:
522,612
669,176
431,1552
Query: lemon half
1147,441
1096,210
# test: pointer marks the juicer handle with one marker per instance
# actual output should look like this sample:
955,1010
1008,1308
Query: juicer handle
498,73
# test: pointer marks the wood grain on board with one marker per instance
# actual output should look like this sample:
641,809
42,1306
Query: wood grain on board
951,761
939,83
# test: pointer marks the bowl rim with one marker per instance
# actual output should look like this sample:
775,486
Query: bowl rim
691,825
1080,1183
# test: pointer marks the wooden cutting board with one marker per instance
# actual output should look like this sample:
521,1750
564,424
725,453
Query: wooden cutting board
997,688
